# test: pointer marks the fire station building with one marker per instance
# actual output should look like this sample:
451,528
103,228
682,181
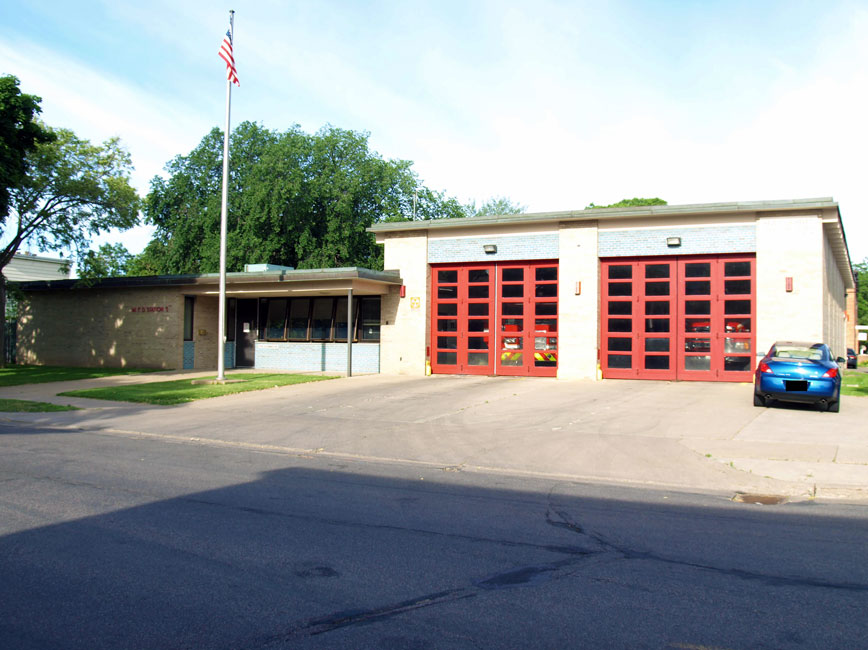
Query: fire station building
682,292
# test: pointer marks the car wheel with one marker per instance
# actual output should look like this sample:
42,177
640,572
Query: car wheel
834,407
758,400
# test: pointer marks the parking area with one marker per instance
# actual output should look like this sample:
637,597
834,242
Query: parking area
685,435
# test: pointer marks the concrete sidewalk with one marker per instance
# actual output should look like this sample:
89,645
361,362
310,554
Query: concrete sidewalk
683,435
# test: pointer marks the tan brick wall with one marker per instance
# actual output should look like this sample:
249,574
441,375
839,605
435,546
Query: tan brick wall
789,247
404,329
205,332
578,339
108,327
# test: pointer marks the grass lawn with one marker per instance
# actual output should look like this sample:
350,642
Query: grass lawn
17,375
166,393
855,383
26,406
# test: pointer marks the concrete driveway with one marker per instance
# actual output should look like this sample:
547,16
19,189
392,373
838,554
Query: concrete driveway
684,435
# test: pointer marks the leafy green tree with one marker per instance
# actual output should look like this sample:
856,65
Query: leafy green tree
861,270
20,132
111,260
73,191
295,199
494,206
629,203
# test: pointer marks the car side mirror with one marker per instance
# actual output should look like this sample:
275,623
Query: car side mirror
841,360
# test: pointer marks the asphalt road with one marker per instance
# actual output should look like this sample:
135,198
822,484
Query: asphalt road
114,541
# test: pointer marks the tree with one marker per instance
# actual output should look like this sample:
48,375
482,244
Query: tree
629,203
861,270
494,206
111,260
19,135
73,190
295,199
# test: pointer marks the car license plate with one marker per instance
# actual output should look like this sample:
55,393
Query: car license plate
798,385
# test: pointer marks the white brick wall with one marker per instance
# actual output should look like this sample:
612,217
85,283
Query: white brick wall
578,314
405,322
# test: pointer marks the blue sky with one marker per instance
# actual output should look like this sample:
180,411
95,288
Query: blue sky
552,104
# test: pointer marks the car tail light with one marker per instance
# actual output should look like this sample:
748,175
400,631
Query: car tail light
831,373
764,367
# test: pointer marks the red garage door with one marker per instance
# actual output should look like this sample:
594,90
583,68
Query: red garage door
495,318
686,318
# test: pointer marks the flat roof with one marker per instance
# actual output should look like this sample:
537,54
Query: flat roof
206,280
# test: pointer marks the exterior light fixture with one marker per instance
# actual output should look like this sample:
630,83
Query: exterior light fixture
672,242
489,249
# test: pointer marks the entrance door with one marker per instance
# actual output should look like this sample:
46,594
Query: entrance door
495,319
245,332
685,318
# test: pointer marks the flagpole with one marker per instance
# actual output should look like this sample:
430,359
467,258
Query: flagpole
221,311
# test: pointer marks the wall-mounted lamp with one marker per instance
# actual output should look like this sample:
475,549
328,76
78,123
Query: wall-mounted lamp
672,242
489,249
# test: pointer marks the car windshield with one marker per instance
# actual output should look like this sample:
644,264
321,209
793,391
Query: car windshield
797,352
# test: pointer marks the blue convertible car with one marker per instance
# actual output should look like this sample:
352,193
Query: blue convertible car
794,371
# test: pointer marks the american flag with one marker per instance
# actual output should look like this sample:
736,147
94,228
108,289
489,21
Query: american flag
225,53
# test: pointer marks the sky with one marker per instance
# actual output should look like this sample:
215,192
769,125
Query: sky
553,104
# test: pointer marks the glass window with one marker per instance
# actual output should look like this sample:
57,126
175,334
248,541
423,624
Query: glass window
620,272
447,358
477,342
697,307
513,275
736,286
321,319
511,324
511,358
512,291
275,321
447,325
657,345
477,358
513,309
447,342
546,324
697,288
546,309
477,309
621,307
697,345
656,308
698,270
656,288
620,325
736,346
447,293
546,291
547,274
656,324
736,364
231,306
736,306
447,276
447,309
656,270
299,315
657,362
697,363
369,319
477,291
189,302
620,288
731,269
341,319
477,275
620,344
697,325
738,324
477,325
620,361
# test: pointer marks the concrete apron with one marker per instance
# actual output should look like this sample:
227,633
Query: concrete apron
682,435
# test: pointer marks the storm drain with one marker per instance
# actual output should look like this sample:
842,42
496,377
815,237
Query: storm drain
759,499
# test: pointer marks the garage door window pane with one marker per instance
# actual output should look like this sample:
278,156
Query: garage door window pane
736,306
657,271
697,363
697,288
546,325
657,363
621,307
547,309
731,269
477,325
620,361
620,324
547,274
736,286
656,324
656,308
511,324
447,276
511,358
697,307
620,344
620,288
447,293
736,364
736,346
698,270
477,291
447,358
477,309
513,275
546,291
657,345
697,325
477,358
447,309
512,291
738,324
477,275
447,342
447,325
513,309
477,343
656,288
620,272
697,345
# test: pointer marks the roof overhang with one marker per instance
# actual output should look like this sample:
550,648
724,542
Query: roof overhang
311,282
